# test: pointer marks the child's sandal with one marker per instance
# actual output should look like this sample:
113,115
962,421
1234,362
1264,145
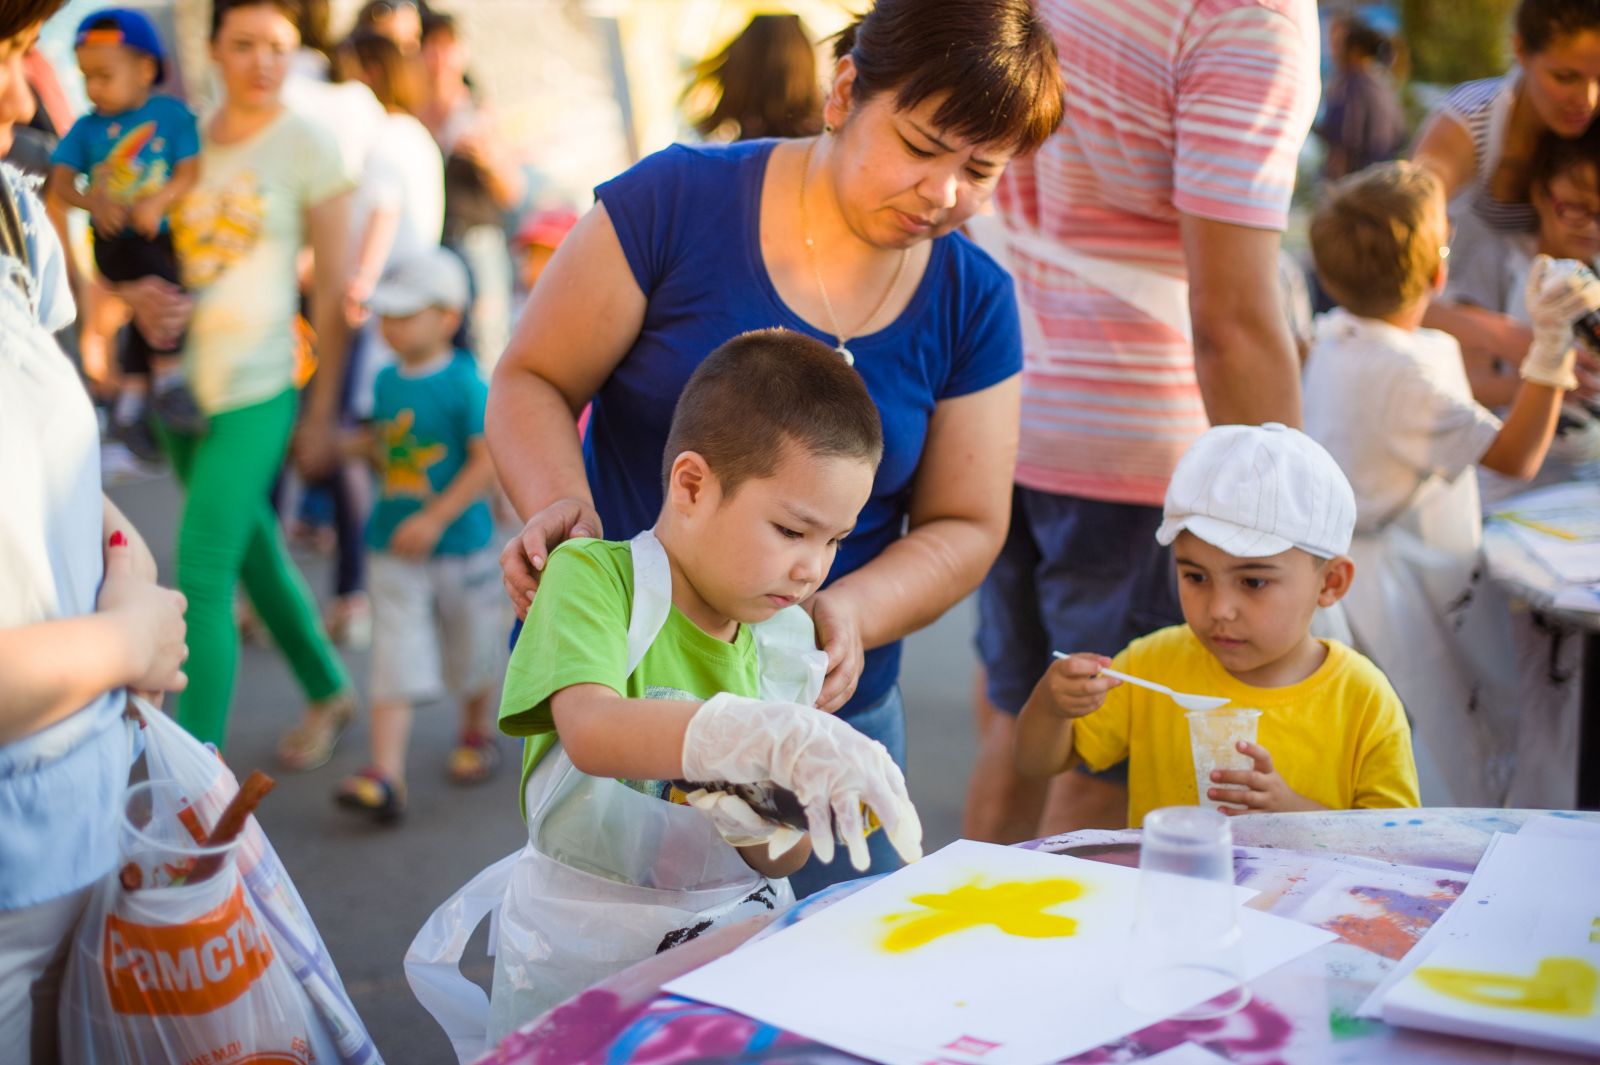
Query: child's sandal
372,793
474,760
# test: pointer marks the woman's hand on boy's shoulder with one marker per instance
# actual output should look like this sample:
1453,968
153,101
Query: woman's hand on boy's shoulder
1257,790
1074,686
523,559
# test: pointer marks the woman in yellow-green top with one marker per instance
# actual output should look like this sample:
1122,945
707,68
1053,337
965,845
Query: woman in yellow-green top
1260,520
270,183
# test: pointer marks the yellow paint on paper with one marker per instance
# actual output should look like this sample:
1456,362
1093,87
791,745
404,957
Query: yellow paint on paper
1015,908
1565,987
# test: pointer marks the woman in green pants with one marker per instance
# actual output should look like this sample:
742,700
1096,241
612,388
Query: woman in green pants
271,182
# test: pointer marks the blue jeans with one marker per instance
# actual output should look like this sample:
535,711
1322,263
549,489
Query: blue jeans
884,721
1073,575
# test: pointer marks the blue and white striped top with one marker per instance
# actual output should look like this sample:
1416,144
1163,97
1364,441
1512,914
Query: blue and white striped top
1483,108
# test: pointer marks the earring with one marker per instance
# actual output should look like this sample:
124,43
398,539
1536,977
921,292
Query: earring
827,127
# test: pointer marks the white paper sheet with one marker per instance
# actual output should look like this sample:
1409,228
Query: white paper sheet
976,994
1530,913
1560,826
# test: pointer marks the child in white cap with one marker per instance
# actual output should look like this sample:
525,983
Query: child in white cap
437,608
1259,519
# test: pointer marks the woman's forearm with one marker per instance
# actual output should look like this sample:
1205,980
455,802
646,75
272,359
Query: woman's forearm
533,438
919,577
51,669
1499,335
327,224
376,243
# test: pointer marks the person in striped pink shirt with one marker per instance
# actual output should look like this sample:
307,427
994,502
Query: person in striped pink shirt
1144,239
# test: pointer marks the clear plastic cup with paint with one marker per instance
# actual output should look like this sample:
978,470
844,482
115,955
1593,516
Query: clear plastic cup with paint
1187,955
162,839
1214,737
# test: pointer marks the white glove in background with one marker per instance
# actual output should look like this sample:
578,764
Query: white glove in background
1559,292
829,766
740,826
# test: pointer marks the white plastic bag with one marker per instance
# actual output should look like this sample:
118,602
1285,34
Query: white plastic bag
609,876
173,960
300,961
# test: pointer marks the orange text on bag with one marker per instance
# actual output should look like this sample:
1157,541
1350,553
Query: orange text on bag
186,969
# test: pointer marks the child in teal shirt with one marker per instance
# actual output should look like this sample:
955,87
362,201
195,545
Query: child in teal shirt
434,576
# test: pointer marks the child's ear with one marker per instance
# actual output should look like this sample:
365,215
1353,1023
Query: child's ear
690,484
1337,573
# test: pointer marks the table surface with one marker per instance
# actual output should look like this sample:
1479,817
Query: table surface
1377,878
1515,568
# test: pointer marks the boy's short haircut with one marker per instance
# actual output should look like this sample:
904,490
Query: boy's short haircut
765,389
1368,241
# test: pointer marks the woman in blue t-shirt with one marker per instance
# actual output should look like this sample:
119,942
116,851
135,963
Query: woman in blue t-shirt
850,237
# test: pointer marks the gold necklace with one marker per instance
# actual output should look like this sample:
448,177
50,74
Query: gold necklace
816,269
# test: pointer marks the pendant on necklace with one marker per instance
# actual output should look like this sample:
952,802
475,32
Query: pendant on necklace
844,353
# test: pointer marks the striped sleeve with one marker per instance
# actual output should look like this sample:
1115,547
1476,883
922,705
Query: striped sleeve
1247,87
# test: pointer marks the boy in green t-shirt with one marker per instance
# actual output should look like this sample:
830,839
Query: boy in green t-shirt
771,455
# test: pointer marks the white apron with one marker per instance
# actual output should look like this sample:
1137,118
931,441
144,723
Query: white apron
609,876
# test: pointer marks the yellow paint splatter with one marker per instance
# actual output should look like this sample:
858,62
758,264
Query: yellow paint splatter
1566,987
1016,909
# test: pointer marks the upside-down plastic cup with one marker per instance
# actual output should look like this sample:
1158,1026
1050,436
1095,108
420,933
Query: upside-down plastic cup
1187,960
1214,737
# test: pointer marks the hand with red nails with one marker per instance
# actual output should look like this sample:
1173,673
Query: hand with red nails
150,621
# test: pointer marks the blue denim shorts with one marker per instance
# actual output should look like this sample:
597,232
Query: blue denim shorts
1074,575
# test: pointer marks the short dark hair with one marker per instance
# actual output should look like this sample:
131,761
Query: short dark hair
18,15
995,60
764,390
1539,22
1364,41
289,9
1556,155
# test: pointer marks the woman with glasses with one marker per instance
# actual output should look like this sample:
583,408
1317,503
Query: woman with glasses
1481,141
849,236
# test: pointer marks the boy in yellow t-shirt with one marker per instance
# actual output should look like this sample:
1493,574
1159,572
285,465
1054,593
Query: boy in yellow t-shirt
1260,520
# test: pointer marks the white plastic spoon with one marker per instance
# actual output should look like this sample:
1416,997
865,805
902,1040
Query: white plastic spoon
1183,699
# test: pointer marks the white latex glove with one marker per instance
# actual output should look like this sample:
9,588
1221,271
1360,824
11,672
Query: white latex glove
829,766
1559,292
741,826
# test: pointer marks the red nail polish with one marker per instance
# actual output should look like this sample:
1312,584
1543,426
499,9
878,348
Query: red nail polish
118,540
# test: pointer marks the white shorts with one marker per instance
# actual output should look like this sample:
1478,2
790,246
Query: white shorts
438,626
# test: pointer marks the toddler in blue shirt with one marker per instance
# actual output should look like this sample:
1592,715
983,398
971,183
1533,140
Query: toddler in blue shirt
137,154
